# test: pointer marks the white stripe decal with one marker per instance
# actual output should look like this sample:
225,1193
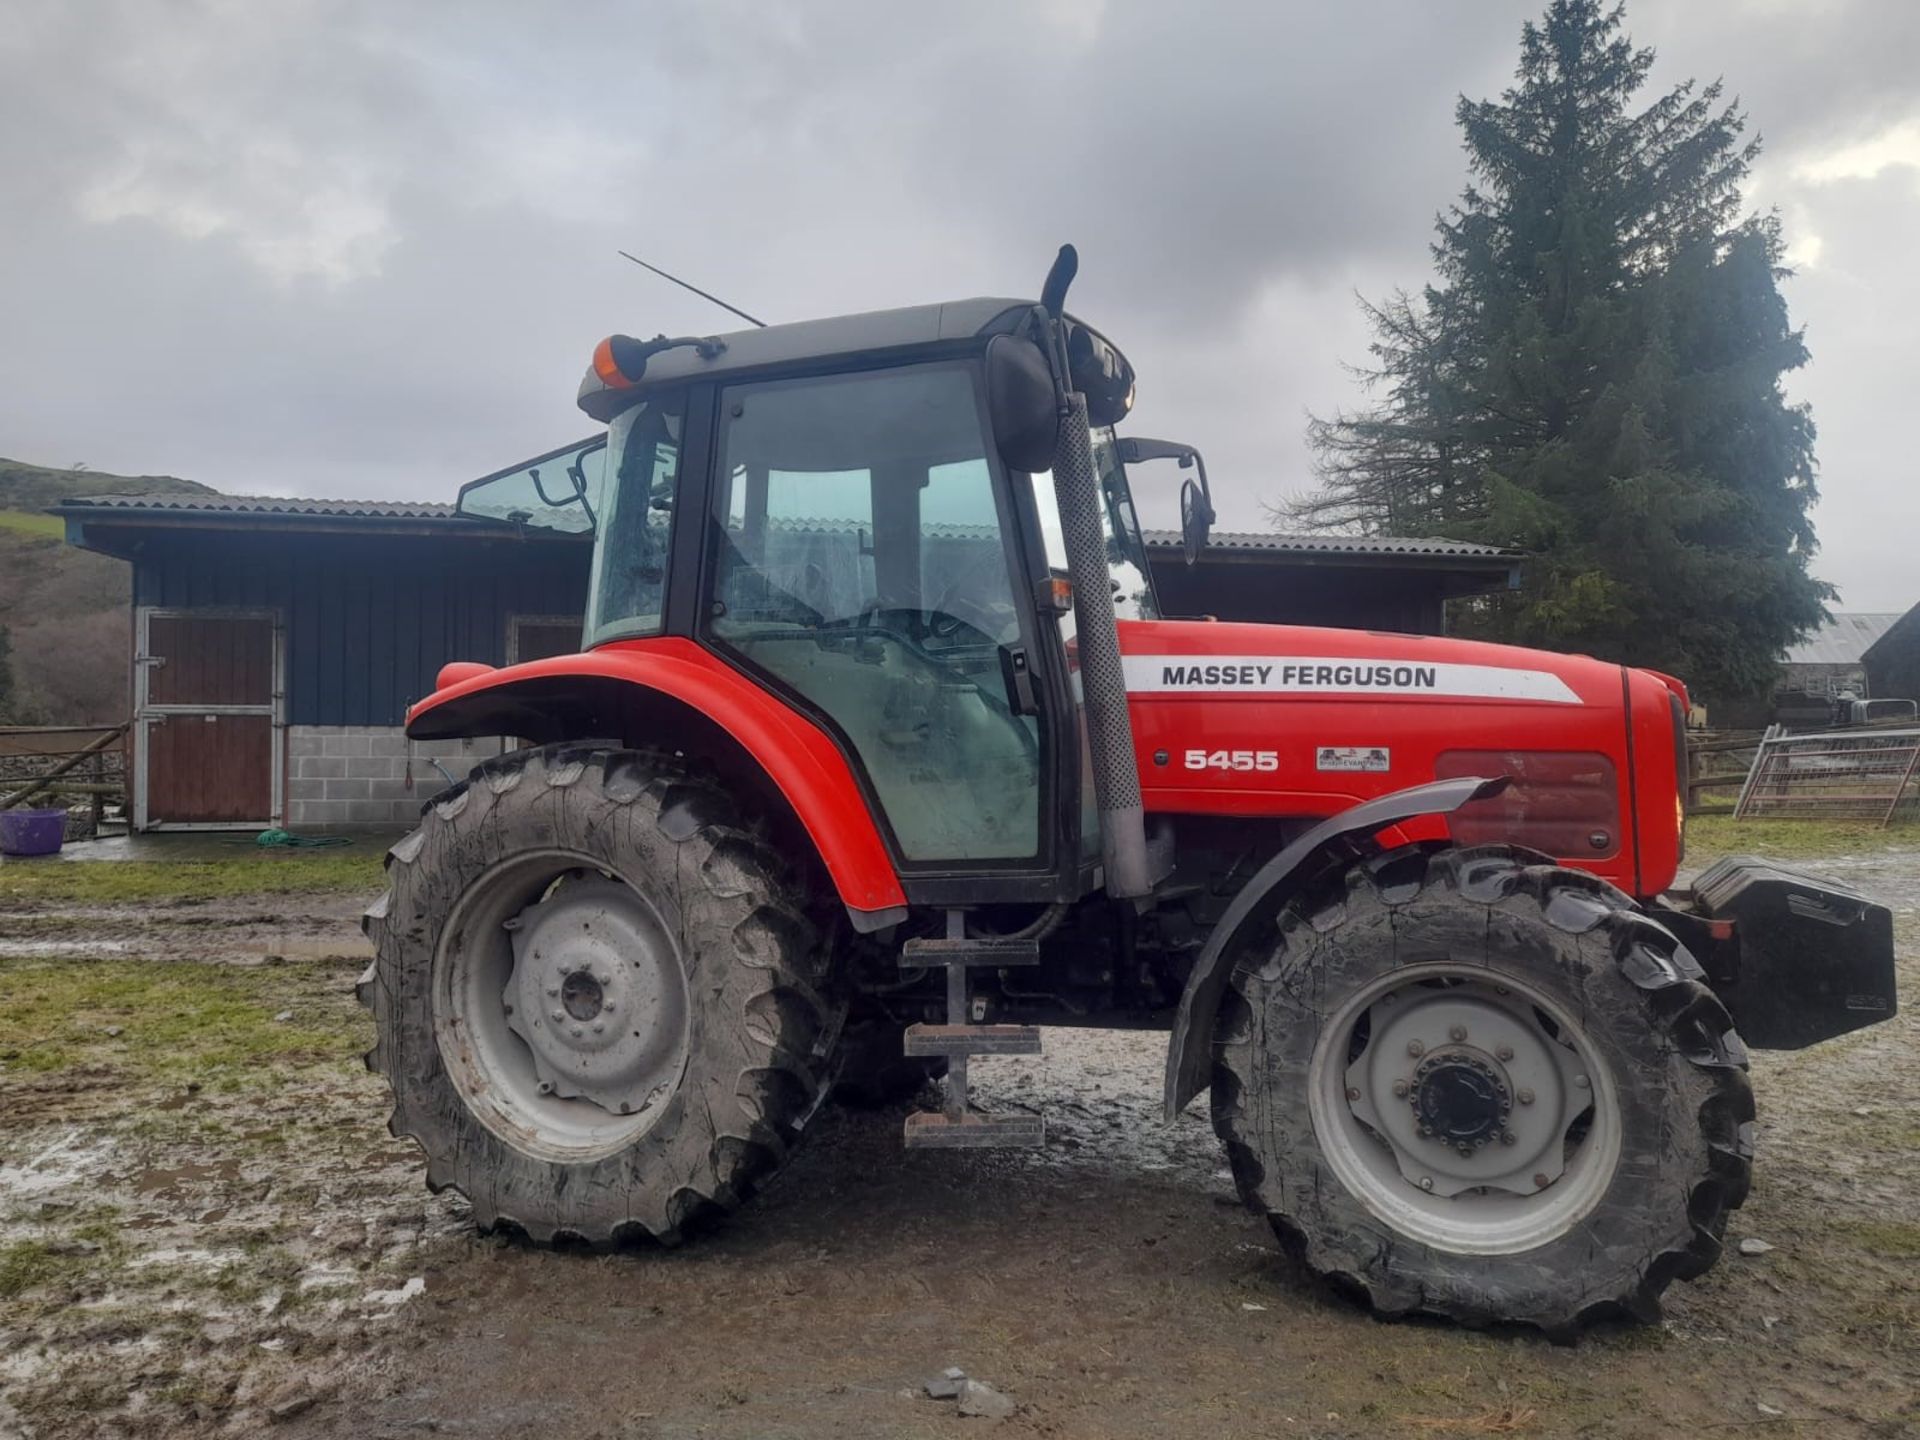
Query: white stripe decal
1331,675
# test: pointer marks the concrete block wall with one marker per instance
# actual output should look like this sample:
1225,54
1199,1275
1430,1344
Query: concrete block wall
354,777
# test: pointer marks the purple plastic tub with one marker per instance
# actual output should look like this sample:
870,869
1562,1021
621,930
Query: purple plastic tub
32,832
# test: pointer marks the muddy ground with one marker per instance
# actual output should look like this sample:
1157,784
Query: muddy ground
205,1229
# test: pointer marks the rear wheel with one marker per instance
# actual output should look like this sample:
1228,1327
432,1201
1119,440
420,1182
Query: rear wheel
1476,1084
600,1005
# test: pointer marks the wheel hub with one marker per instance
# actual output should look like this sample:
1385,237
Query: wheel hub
1461,1098
598,996
582,995
1466,1088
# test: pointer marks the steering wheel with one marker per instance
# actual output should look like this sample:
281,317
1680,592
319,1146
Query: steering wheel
995,620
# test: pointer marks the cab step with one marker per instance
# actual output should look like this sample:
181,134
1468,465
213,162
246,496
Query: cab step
983,951
936,1130
953,1040
957,1124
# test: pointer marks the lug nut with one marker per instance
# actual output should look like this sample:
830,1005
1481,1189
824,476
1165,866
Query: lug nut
1525,1097
1416,1049
607,1009
1506,1137
1457,1034
507,1008
1541,1179
578,1032
1426,1182
559,1016
1580,1082
598,1028
1353,1092
1400,1088
545,1087
1467,1150
625,1108
1503,1054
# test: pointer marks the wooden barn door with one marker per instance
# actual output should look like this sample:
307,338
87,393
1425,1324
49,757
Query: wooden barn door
208,746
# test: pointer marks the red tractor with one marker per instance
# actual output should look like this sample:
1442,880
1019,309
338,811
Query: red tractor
881,755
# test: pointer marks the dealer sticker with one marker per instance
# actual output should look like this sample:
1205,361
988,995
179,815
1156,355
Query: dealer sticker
1370,759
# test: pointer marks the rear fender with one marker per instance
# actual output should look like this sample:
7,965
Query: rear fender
677,690
1351,835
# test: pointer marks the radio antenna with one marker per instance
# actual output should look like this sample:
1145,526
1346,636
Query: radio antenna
731,309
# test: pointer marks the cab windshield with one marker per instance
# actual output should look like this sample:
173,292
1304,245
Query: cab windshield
1133,597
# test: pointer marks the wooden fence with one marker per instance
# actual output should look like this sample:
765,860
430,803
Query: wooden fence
59,764
1718,760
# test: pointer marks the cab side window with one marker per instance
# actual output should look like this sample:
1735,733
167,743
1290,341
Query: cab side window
860,559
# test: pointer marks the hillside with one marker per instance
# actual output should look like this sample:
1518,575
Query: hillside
64,628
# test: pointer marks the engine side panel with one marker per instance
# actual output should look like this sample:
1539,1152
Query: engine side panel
1275,720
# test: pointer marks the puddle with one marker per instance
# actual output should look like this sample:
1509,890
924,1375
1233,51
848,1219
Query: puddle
184,1255
66,1163
160,1182
89,948
329,1277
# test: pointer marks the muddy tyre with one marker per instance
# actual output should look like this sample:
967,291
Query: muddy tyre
600,1005
871,1069
1472,1083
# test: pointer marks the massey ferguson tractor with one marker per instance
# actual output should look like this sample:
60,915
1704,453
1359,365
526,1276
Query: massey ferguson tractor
881,755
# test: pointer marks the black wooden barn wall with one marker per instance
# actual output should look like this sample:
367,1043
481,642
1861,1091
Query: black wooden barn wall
369,619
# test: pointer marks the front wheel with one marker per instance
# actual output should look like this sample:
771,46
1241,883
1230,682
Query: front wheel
1476,1084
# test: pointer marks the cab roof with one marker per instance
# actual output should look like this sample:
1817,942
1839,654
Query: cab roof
834,337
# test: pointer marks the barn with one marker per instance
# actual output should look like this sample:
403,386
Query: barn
277,643
1892,661
1832,661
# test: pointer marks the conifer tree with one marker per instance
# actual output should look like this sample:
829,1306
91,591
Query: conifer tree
1594,375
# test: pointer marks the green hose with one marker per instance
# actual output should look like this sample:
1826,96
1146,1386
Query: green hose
286,839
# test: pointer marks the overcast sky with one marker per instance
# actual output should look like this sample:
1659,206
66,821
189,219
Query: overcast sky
361,249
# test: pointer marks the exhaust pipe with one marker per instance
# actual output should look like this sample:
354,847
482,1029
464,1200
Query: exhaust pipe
1076,486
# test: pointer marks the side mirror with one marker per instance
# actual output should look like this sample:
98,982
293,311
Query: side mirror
1196,520
1021,404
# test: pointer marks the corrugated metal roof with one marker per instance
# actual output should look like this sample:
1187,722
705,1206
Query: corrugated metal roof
1843,640
267,505
1340,544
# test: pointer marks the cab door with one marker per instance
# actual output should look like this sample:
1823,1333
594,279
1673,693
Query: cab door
863,565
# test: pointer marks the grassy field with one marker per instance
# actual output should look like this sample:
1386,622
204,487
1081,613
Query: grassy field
26,522
249,872
1709,836
218,1026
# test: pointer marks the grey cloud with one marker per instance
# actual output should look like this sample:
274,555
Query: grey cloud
334,246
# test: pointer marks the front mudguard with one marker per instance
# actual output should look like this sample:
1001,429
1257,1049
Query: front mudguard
1343,838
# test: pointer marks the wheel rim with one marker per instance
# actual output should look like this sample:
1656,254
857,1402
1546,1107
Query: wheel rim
1470,1115
560,1006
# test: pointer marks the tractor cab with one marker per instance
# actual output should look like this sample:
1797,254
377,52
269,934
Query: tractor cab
856,514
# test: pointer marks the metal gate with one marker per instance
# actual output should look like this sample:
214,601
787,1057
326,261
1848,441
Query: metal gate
208,697
1831,774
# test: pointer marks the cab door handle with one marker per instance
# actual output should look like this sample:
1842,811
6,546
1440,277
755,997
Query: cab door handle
1017,671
